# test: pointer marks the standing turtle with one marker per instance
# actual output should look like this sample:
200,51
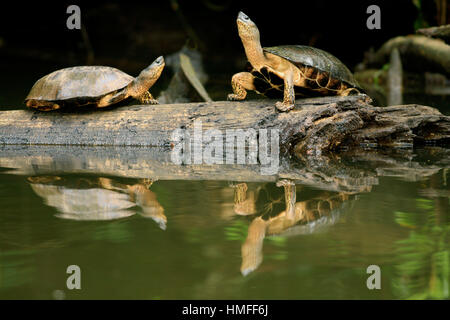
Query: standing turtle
96,85
288,70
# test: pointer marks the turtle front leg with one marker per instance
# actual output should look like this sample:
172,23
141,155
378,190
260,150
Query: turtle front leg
147,98
290,196
289,94
241,82
147,182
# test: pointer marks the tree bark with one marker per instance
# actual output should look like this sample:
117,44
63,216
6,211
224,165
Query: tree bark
442,32
316,125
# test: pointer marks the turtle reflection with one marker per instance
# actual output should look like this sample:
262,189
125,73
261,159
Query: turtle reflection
244,199
98,198
299,217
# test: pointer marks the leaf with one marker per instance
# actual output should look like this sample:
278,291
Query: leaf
191,75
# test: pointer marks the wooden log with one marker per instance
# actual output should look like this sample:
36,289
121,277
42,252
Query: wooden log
418,53
316,125
442,32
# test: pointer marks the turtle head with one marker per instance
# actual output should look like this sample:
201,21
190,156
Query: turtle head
147,78
154,70
248,31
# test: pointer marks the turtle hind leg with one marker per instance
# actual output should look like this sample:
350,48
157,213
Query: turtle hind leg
42,105
147,98
348,92
241,82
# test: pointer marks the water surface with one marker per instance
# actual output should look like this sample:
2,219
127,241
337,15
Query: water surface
141,228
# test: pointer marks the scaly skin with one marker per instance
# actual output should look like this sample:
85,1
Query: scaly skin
290,196
241,82
289,95
147,98
138,88
348,91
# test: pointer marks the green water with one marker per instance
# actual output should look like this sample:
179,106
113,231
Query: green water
193,236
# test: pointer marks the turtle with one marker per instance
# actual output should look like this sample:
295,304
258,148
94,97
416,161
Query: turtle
100,86
288,71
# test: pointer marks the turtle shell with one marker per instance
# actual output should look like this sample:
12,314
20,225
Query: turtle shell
325,74
85,84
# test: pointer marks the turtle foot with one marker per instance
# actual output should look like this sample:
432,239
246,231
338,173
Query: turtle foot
285,182
147,182
284,107
151,101
234,97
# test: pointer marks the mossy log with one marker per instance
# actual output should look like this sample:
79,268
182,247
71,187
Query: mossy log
316,125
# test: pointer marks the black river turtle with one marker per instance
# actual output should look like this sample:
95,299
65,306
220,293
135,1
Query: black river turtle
288,71
95,85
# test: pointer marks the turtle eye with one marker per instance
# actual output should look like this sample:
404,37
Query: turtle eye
243,16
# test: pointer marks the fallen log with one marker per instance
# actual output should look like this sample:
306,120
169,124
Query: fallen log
316,125
418,53
442,32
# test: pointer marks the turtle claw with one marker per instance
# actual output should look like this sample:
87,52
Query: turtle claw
234,97
147,98
284,107
150,101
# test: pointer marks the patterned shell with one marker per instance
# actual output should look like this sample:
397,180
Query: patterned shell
76,82
316,58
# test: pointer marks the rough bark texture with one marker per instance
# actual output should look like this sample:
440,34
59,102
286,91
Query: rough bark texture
315,125
442,32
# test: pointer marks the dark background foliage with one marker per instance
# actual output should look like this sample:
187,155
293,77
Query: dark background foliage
132,28
34,39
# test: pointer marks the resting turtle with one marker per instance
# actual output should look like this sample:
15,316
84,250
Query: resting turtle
95,85
288,70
